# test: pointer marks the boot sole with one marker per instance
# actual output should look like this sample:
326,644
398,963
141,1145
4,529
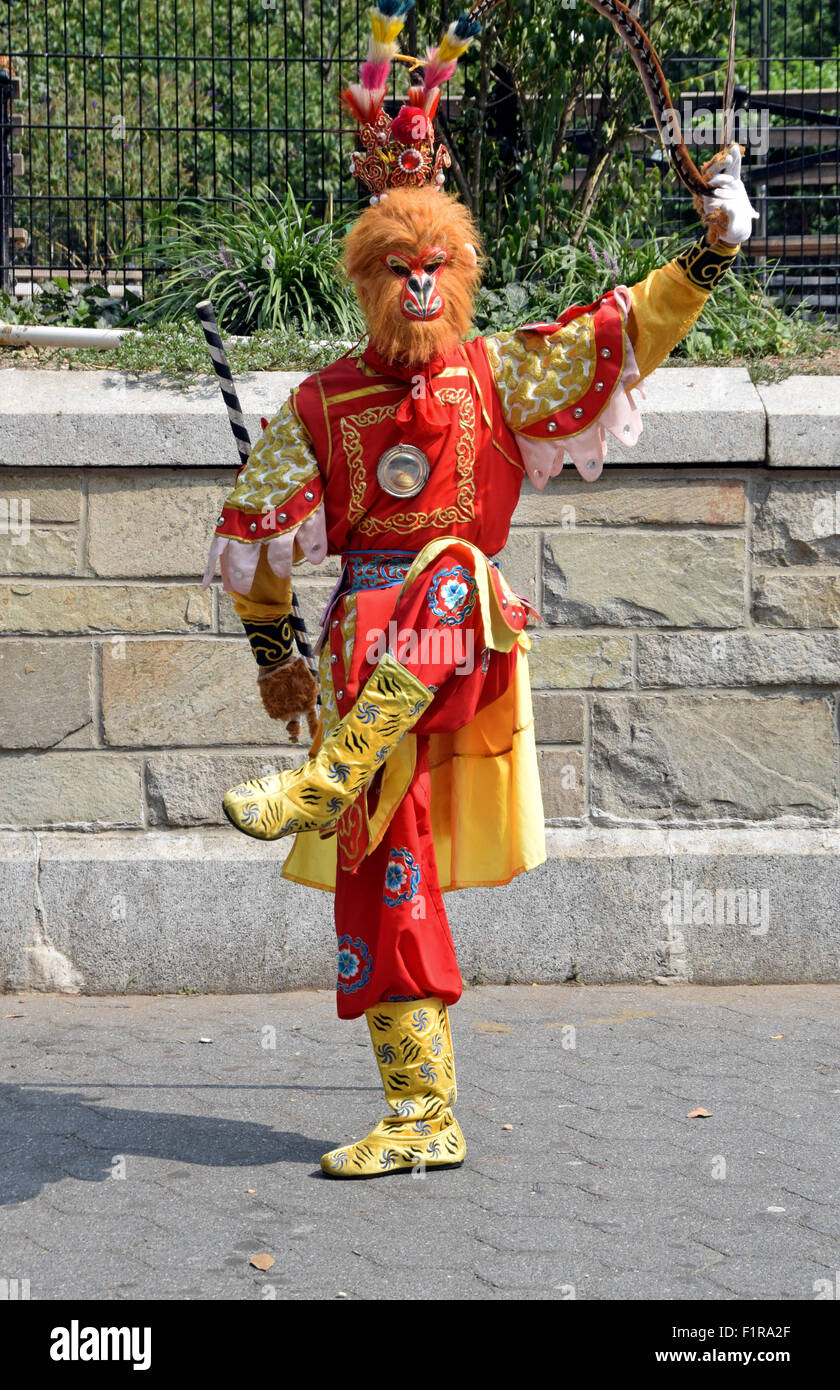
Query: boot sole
386,1172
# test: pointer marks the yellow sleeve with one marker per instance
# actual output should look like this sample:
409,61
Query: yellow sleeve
670,300
276,499
265,615
269,597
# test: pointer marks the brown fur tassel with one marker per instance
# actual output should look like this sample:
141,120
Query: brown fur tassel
289,692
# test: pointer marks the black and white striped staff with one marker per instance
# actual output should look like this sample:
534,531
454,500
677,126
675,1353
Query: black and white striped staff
221,367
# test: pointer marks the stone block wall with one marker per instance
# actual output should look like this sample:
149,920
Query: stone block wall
686,670
685,676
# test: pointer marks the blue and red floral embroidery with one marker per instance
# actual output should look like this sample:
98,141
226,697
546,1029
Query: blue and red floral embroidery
402,878
452,595
355,963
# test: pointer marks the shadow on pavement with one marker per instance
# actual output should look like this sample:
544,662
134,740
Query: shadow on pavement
48,1135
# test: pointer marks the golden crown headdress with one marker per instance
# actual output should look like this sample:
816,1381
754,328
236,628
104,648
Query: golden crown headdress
401,150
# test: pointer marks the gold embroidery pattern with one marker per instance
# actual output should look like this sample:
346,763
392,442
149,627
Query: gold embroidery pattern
403,523
327,671
280,463
351,427
705,266
537,375
349,831
516,462
329,709
348,632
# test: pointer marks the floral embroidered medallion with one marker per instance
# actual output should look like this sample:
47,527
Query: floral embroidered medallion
355,964
452,595
402,878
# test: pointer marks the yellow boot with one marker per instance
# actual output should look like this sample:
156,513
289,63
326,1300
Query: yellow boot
413,1047
313,797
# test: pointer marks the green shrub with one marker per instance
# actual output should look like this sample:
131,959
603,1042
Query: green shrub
263,261
739,319
179,350
60,302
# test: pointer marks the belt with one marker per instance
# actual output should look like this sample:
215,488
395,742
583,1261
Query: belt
366,569
376,569
369,569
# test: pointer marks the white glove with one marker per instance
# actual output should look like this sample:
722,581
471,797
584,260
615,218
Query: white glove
732,198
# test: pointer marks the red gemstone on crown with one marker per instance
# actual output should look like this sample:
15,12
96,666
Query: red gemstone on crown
411,161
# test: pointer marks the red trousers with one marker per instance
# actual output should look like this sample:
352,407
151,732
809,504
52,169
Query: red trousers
394,941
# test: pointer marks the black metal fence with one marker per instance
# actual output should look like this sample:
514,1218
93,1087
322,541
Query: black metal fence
791,129
109,109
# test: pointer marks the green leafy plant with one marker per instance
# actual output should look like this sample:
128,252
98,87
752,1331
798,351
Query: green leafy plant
265,262
60,302
739,320
569,145
120,132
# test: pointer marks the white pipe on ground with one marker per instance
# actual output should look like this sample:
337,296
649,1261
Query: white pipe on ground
31,335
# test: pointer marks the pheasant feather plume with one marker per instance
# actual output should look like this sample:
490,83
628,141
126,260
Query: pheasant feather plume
365,97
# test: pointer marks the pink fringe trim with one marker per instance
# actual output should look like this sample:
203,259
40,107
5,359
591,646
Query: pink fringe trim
375,75
436,73
238,560
544,458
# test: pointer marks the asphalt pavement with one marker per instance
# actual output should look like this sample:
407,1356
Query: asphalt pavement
152,1147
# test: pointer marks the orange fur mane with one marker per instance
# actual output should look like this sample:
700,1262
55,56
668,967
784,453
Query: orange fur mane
406,222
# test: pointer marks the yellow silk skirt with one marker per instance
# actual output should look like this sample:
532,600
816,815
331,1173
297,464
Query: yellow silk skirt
486,805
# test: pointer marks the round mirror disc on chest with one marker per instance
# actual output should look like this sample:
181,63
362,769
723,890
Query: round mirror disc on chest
403,471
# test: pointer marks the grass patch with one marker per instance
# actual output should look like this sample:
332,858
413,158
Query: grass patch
180,352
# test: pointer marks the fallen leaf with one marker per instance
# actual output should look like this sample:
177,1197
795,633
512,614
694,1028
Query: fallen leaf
262,1261
507,1126
698,1114
250,1189
777,1035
